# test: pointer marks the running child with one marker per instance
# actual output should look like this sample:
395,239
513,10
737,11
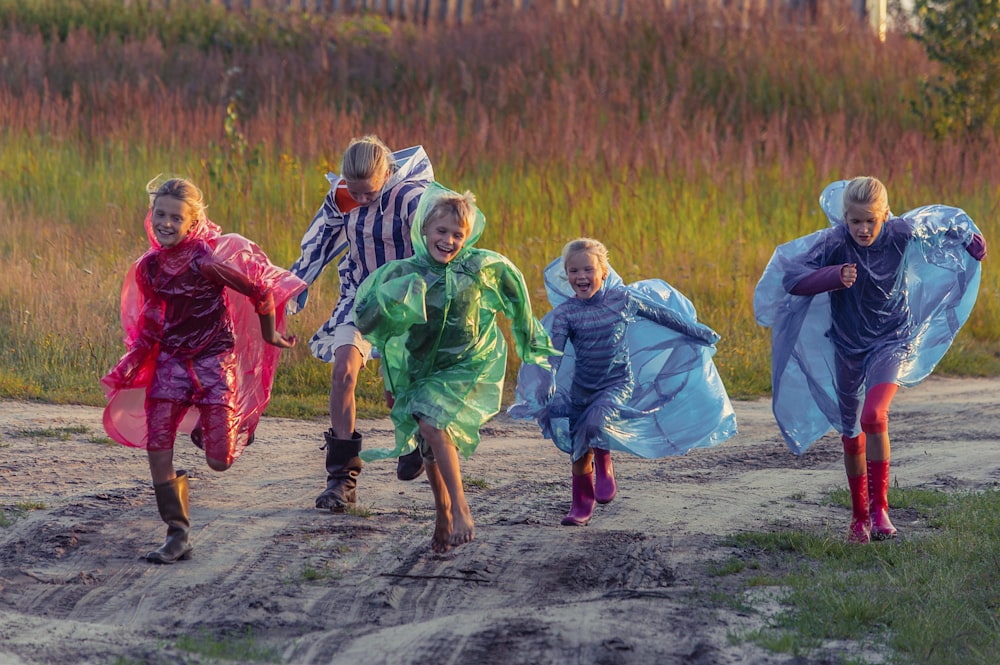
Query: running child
197,309
855,311
365,219
637,374
434,319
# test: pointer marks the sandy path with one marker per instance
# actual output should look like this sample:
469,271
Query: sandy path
321,588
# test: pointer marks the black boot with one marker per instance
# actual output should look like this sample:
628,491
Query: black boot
172,502
410,465
342,469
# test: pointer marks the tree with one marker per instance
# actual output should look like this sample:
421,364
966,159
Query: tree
963,37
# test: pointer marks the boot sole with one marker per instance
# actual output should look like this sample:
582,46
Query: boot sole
166,562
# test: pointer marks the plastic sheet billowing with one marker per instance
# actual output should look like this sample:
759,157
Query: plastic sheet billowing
670,400
435,325
211,326
896,326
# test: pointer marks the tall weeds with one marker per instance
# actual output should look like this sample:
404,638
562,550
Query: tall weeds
692,145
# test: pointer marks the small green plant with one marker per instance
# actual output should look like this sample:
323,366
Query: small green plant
231,646
730,566
60,433
30,505
359,510
475,483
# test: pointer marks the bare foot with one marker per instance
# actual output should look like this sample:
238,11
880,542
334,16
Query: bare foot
442,532
463,529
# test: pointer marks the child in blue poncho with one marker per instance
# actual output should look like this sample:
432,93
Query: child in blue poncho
433,318
637,374
857,310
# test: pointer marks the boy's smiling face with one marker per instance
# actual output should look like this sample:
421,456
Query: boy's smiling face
446,236
585,273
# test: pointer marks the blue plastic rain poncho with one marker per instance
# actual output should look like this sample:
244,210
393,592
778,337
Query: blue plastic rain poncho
916,287
436,328
642,380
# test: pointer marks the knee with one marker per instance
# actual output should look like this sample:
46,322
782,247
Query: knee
343,379
427,432
875,418
854,445
875,414
218,464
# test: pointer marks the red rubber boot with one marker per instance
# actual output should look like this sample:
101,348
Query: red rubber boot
605,487
878,498
860,531
583,501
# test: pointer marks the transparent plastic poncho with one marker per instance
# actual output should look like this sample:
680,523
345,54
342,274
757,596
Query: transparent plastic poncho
435,325
235,326
670,400
898,337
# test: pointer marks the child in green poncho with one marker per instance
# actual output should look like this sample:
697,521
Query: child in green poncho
433,317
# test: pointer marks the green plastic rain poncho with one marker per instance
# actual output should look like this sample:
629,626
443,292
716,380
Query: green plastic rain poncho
435,326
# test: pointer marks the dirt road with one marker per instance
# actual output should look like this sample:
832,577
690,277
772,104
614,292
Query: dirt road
313,587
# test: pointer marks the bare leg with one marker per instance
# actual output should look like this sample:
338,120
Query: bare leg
463,529
347,363
442,508
878,446
161,465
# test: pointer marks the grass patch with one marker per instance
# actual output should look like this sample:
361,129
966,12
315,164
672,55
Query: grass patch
58,433
8,516
931,599
238,647
475,483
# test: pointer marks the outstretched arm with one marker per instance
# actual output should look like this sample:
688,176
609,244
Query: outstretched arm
670,319
259,295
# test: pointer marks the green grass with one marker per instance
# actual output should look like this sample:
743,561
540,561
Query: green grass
239,647
691,149
931,598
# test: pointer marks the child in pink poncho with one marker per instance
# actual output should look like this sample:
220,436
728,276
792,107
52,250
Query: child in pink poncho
188,308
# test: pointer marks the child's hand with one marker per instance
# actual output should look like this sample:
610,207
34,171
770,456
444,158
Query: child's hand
708,335
279,340
848,274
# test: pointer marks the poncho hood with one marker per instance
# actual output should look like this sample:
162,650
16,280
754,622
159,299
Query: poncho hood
434,193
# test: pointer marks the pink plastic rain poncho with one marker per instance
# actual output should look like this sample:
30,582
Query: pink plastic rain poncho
188,317
893,326
436,328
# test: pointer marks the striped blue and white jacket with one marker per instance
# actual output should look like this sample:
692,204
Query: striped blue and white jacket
372,235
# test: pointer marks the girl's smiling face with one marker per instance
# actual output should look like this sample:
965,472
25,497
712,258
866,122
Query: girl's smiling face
446,236
585,273
172,220
864,222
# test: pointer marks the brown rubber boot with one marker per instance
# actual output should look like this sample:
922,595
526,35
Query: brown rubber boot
343,466
172,502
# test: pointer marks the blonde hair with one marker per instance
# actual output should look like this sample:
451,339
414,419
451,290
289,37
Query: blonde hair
181,189
366,158
866,191
460,206
589,246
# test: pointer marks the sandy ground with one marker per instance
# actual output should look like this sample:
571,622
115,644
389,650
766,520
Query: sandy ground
632,587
